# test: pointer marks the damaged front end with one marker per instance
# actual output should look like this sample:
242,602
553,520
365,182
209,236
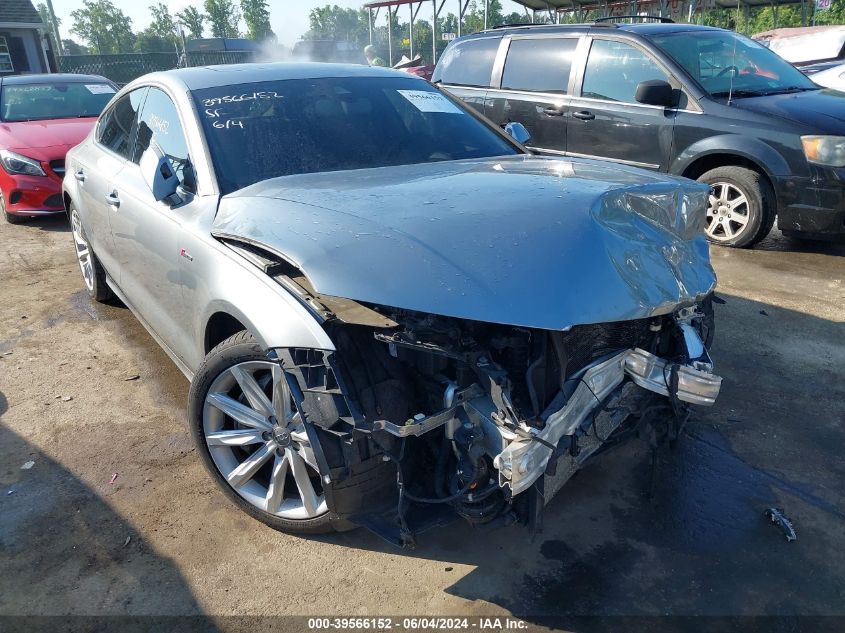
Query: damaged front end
416,419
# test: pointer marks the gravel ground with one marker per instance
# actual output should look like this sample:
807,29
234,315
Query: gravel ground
117,516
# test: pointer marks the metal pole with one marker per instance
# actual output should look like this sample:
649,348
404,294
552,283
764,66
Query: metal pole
460,15
390,35
59,44
486,11
433,31
370,20
411,31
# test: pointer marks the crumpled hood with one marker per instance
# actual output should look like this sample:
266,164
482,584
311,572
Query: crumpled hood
534,242
824,109
62,133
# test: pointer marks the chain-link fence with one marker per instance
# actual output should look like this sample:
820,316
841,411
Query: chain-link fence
123,68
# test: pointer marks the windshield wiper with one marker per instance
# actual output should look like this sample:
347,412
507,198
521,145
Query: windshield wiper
737,93
787,89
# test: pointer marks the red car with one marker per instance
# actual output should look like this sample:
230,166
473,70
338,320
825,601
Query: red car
41,118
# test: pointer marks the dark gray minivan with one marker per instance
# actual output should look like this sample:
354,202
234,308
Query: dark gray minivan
695,101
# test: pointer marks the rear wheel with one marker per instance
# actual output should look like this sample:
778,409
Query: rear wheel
252,439
93,273
741,209
10,217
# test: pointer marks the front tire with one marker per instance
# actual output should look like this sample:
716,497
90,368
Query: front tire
253,441
741,209
93,273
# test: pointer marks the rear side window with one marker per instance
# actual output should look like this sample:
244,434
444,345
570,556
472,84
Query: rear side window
539,65
468,63
615,69
116,129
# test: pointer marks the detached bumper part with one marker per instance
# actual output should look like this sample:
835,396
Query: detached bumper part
524,460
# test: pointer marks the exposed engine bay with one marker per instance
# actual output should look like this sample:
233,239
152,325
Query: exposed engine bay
416,418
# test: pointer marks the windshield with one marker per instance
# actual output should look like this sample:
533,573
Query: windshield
726,63
263,130
36,102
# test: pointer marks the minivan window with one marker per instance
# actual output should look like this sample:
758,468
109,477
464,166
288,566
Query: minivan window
116,128
160,124
468,63
539,65
615,69
726,63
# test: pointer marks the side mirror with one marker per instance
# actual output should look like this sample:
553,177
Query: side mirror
158,173
517,132
655,92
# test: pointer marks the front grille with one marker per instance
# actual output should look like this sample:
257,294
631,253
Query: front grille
58,167
54,201
586,343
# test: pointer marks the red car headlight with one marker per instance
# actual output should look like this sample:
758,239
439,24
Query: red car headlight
16,164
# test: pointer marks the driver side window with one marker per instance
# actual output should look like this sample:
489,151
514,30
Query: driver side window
615,69
159,124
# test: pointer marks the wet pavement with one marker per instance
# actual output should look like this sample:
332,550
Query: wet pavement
701,545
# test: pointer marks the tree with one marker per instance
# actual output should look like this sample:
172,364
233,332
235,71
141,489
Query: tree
162,24
160,35
45,18
75,48
337,23
103,26
223,16
192,19
257,18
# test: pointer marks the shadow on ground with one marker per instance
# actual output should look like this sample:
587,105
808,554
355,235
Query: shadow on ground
57,223
54,527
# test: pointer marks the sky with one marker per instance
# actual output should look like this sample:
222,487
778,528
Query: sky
289,18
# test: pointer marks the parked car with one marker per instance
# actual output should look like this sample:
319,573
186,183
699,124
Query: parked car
833,77
391,313
807,47
41,117
690,100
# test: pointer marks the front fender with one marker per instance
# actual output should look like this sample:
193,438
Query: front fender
228,283
751,149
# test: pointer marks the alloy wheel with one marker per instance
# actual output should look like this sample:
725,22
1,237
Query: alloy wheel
728,212
83,250
258,441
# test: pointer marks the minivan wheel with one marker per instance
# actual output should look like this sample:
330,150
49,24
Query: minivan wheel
93,273
741,209
253,441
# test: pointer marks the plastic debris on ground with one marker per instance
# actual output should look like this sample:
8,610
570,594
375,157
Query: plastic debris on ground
28,465
777,517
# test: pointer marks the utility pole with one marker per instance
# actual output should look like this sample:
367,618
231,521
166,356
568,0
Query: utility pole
59,44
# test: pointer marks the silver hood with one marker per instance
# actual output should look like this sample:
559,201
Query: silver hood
535,242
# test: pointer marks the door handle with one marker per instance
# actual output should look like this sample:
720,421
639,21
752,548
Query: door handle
552,111
584,115
113,199
80,176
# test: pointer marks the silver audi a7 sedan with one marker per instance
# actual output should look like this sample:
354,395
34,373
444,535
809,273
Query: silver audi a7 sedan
391,313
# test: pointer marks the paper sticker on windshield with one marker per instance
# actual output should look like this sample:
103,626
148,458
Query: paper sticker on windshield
100,89
430,101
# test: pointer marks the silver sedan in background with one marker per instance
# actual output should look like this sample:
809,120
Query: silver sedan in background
392,314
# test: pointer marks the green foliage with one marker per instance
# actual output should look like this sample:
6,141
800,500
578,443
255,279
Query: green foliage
223,15
103,26
74,48
45,18
336,23
257,18
192,19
